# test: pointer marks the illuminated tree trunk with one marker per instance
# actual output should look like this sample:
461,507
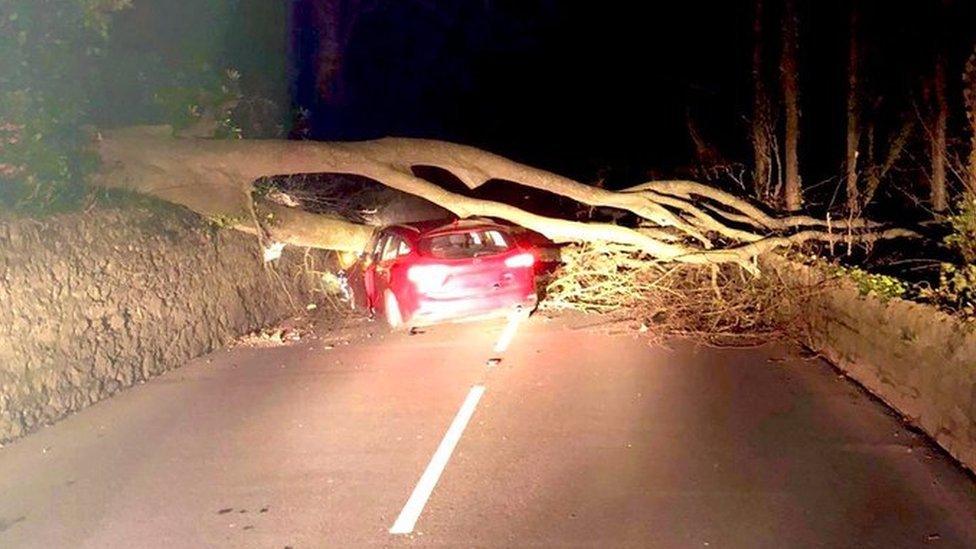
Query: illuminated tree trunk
762,166
938,138
216,178
853,123
792,189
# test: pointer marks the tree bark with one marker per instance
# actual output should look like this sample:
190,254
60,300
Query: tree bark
938,195
792,188
969,95
762,158
216,178
876,173
853,123
333,22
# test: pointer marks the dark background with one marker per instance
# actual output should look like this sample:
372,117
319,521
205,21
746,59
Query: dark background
587,89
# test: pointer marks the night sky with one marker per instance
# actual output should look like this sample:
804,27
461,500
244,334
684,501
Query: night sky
567,87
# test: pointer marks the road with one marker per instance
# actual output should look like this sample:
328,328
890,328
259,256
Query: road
585,435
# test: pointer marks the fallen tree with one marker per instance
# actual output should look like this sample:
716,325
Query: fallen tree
681,221
718,304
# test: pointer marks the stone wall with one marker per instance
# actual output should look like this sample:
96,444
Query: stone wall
919,360
91,303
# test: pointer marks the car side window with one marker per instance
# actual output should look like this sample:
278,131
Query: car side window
378,248
391,248
496,239
404,248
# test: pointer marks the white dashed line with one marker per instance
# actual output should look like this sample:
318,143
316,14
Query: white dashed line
508,333
425,486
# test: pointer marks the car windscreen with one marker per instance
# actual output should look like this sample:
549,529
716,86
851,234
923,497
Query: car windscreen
461,245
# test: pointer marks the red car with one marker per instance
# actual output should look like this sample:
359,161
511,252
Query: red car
424,273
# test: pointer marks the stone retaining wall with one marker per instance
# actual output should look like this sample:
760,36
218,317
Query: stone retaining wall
91,303
919,360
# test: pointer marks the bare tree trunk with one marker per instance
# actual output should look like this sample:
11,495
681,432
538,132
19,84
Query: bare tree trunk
853,122
334,21
876,172
762,167
707,156
969,95
793,192
938,138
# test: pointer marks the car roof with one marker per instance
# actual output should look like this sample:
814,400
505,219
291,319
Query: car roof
442,226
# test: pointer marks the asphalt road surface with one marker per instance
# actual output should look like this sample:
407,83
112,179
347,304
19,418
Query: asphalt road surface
579,436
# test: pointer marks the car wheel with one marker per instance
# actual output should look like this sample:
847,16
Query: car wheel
391,310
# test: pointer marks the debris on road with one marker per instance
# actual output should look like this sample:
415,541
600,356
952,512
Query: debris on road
272,337
493,362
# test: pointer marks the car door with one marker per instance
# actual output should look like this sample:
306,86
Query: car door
384,266
370,262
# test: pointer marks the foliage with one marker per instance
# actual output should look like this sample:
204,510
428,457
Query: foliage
956,290
963,236
224,221
201,94
223,76
60,75
884,287
50,48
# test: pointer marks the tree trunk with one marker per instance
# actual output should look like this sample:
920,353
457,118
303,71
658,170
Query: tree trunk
793,193
761,149
876,173
853,123
938,196
969,95
216,178
334,22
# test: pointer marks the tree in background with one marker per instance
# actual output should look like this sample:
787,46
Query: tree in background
938,118
792,186
969,96
762,126
853,123
878,132
940,115
335,21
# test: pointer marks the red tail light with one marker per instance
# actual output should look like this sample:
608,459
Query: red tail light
520,260
428,277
